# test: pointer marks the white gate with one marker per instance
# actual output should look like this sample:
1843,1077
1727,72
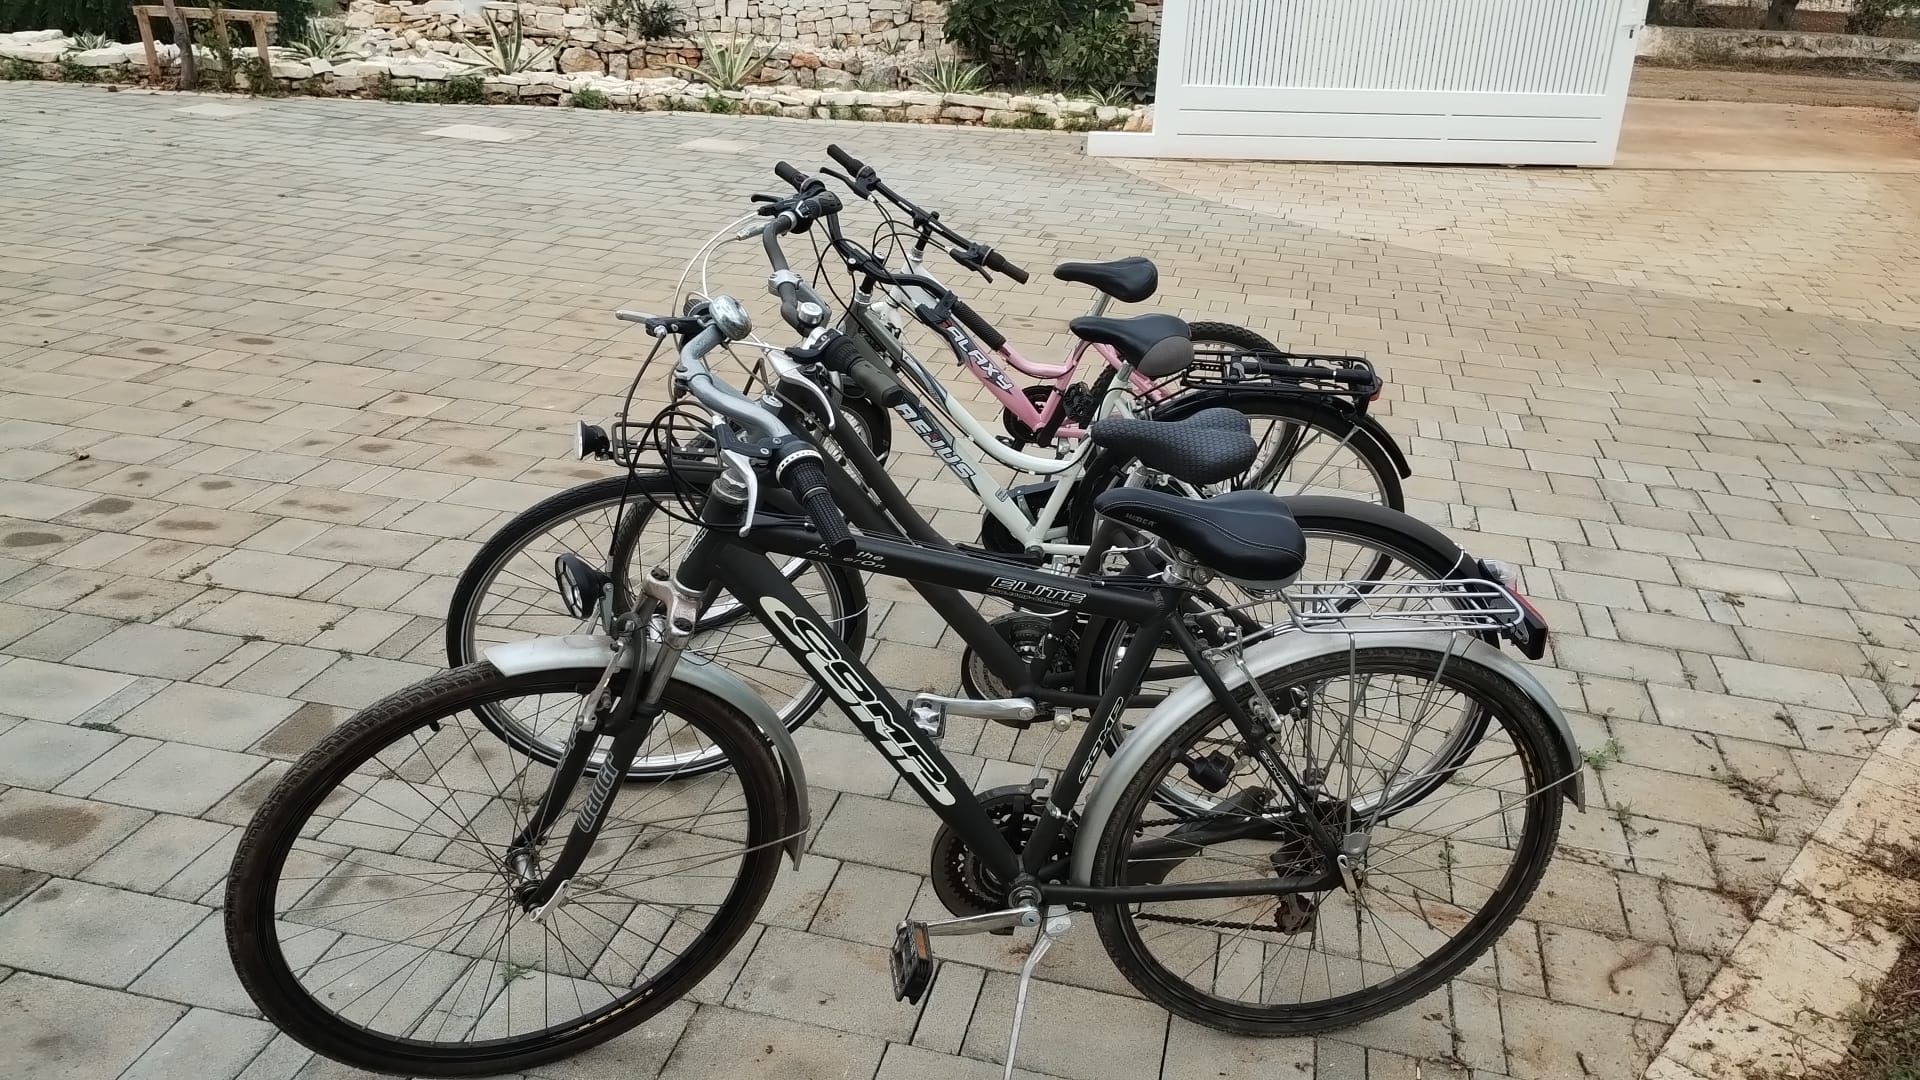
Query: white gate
1487,81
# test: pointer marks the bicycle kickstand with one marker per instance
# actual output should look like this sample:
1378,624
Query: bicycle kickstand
1057,923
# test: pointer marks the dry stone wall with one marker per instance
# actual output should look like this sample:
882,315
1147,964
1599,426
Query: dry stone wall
857,43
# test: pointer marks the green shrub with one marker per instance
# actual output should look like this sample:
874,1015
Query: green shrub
718,104
507,51
1872,16
648,20
1104,52
726,65
589,98
464,90
1021,40
74,72
17,70
114,18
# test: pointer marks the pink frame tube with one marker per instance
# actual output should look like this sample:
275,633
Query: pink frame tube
1061,375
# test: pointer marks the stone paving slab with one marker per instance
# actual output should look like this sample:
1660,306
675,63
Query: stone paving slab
266,384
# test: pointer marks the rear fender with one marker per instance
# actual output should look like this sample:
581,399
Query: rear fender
596,651
1269,656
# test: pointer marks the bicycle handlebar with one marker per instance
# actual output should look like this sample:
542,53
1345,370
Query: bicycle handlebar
807,482
971,254
853,165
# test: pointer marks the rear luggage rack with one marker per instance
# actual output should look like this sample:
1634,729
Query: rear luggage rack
1217,368
1473,605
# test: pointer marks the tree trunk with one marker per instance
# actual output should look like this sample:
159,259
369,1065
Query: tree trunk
1779,14
183,40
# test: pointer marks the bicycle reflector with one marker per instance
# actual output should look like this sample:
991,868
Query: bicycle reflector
1530,633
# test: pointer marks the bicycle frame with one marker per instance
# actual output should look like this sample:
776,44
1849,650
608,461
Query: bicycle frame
724,559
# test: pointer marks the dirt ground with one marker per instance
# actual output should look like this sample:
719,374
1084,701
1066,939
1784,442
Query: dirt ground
1704,84
1766,136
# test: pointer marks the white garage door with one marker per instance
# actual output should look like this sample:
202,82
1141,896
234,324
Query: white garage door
1496,81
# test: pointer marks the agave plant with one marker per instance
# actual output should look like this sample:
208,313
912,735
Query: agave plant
950,75
507,51
86,42
1121,96
323,39
727,66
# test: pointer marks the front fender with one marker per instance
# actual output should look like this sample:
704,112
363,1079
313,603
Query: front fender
596,651
1269,656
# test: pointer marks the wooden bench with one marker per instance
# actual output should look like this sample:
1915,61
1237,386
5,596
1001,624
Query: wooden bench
260,21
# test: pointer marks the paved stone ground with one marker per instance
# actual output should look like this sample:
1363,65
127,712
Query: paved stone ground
267,378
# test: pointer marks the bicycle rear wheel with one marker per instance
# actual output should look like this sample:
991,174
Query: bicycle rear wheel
372,913
1436,881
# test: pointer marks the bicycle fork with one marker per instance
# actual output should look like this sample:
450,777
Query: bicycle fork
617,732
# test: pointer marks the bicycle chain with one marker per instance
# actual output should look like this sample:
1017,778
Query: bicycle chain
1188,920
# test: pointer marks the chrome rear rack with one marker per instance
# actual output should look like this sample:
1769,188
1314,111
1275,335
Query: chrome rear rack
1474,605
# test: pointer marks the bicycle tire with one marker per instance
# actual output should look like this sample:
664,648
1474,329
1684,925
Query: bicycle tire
596,499
1539,755
270,838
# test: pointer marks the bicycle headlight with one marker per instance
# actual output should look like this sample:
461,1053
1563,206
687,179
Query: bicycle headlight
580,585
590,440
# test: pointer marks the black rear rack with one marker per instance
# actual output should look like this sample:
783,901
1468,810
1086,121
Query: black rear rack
1222,368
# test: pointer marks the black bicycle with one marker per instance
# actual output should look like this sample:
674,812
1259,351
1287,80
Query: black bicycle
416,896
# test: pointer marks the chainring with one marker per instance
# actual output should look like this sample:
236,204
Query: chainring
1028,635
963,883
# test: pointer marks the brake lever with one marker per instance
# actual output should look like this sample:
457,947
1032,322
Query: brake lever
857,187
792,378
744,464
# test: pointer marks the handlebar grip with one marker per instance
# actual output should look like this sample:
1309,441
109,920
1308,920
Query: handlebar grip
981,328
877,383
789,293
853,165
844,355
809,485
791,175
998,262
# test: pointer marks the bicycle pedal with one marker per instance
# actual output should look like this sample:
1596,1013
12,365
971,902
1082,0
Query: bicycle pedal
912,961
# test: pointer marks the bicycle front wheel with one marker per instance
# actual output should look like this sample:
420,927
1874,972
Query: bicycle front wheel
372,910
1436,880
